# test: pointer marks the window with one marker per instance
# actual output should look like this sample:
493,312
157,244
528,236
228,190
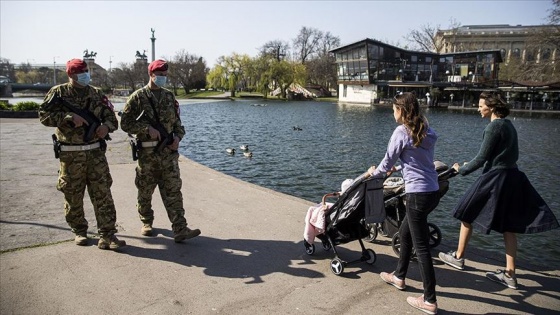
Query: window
529,55
546,54
503,53
373,51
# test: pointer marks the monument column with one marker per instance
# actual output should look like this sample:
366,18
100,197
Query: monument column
153,45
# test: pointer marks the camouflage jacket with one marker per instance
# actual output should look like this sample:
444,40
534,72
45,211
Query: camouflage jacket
138,113
89,98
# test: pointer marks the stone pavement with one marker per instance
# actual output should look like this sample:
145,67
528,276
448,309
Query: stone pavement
249,259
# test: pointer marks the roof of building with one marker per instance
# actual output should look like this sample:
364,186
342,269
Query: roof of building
374,41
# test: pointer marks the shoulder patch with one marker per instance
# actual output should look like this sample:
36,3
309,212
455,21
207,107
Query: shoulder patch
107,102
177,108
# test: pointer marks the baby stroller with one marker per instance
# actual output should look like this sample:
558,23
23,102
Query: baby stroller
346,220
395,208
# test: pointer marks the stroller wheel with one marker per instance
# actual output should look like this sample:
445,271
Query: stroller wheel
435,235
396,244
372,229
309,248
337,266
371,257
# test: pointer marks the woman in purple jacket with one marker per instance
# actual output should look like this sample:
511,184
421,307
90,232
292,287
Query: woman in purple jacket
413,143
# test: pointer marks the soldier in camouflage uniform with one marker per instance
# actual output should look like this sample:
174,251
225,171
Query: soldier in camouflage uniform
82,160
151,113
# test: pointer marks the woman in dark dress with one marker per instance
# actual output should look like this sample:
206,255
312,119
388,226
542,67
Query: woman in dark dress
502,198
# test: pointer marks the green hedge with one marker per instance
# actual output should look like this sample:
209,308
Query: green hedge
5,105
26,106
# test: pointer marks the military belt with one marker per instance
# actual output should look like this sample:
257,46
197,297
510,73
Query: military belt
149,144
80,147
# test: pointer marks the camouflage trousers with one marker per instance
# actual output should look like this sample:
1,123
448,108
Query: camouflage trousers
81,169
161,170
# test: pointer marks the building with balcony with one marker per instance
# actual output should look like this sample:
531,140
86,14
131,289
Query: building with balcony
370,71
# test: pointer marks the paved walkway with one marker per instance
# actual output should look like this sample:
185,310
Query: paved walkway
249,259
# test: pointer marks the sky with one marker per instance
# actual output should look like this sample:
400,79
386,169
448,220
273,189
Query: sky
44,32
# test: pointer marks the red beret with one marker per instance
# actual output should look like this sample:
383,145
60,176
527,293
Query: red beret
157,65
75,65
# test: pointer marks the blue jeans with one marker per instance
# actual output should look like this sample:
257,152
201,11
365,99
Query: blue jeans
414,232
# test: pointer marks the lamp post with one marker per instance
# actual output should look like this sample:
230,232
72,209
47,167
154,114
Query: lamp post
54,69
464,93
428,99
447,74
451,96
545,96
110,63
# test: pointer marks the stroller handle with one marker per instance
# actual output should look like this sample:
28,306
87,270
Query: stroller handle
324,200
451,172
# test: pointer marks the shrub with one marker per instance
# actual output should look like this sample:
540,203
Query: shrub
26,106
5,105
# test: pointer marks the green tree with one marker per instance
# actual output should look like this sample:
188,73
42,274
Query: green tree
231,71
285,73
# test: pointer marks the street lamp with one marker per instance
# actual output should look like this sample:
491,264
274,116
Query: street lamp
545,96
428,98
54,69
110,63
464,93
451,96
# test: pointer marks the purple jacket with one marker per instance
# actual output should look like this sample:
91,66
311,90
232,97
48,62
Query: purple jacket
419,172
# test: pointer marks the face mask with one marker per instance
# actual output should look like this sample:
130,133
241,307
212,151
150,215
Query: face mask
84,78
160,80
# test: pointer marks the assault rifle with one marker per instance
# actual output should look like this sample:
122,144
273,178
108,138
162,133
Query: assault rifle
92,120
165,138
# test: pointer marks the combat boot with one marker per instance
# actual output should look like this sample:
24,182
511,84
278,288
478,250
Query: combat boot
81,239
185,234
110,242
146,230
